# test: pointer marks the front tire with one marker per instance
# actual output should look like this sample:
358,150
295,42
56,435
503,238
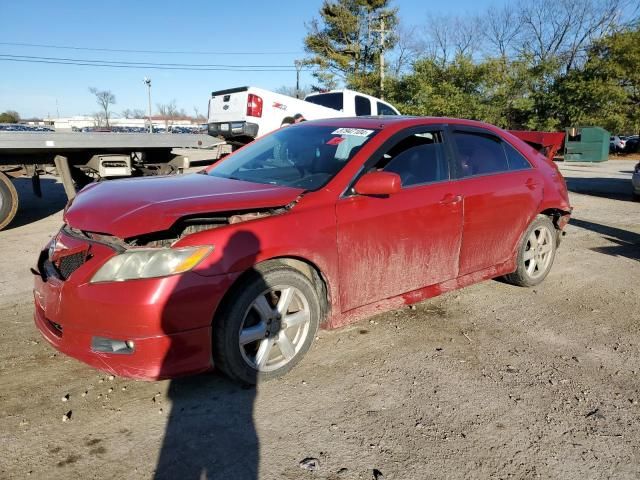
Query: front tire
266,325
8,200
536,253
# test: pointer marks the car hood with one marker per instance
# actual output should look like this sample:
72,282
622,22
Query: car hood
132,207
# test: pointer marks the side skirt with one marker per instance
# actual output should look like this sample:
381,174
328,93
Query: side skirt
415,296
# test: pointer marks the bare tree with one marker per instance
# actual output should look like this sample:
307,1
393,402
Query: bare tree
449,36
291,91
99,119
133,113
562,29
409,46
104,98
500,28
170,112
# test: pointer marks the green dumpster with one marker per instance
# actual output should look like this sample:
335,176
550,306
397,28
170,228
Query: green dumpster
586,144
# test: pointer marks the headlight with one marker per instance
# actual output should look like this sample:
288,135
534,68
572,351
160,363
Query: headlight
150,263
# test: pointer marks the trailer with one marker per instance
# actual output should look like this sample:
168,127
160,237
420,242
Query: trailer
82,158
547,143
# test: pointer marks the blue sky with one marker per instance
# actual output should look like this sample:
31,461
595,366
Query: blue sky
168,25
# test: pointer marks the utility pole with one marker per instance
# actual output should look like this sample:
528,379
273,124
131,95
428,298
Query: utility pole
298,64
382,33
147,82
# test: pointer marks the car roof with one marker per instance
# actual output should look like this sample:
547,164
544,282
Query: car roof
382,121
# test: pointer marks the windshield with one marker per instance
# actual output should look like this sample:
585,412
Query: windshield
300,156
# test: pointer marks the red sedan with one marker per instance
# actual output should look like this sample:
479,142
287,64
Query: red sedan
317,224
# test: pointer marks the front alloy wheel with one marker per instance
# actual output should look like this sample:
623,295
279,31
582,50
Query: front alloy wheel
266,324
275,328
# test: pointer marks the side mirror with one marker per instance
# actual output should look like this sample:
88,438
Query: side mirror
378,183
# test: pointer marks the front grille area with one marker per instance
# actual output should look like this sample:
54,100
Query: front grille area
69,264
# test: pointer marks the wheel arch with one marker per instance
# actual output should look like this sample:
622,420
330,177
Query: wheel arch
308,268
555,214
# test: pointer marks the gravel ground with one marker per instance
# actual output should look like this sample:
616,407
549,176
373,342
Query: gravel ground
492,381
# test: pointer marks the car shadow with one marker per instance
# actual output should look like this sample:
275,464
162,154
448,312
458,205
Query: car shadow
32,208
613,188
627,243
210,433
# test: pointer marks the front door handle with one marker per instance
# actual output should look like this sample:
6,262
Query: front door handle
451,199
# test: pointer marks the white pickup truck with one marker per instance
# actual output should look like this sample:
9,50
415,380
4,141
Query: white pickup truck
245,113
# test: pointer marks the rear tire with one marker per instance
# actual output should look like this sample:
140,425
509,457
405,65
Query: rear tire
536,253
266,324
8,200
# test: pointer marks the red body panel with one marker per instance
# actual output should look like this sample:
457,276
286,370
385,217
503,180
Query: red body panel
389,246
497,210
136,206
373,252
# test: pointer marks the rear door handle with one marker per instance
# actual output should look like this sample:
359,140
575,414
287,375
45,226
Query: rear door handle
450,199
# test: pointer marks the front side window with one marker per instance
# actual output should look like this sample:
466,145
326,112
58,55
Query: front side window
417,159
479,154
302,156
363,106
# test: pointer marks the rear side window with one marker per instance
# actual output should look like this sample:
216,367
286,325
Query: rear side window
417,159
479,154
363,106
515,159
384,109
329,100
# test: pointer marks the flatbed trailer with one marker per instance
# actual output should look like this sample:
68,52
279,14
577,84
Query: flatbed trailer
81,158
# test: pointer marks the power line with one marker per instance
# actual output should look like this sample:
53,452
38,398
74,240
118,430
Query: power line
152,67
145,65
123,50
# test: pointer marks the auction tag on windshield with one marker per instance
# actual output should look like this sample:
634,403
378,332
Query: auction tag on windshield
356,132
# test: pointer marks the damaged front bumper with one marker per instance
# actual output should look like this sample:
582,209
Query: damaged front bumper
164,322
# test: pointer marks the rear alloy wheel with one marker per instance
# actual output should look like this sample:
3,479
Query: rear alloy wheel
536,253
267,325
8,200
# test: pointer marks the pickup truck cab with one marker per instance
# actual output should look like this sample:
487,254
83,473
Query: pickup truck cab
245,113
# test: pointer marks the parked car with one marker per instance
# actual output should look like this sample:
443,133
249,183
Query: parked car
316,224
632,144
635,182
617,143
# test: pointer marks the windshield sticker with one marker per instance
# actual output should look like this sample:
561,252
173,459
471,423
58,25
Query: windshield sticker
356,132
335,140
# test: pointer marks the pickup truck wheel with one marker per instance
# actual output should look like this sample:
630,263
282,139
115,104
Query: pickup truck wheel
8,200
536,253
266,325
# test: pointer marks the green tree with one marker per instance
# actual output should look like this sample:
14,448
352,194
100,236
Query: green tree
606,91
455,89
344,44
10,116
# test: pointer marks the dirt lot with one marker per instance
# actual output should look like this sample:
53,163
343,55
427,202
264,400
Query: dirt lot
493,381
